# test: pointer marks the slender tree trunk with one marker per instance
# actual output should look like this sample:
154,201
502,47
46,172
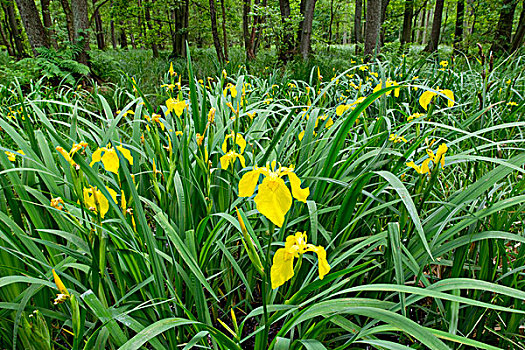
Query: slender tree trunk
150,33
224,34
372,27
79,8
248,43
123,39
330,33
302,8
460,15
256,32
112,28
406,33
502,37
436,27
517,40
48,23
286,49
99,30
307,29
214,31
34,29
358,29
69,20
5,41
384,6
14,29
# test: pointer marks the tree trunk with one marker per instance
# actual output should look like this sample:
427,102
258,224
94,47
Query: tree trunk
384,6
112,28
79,8
215,33
406,33
520,32
224,34
48,23
256,32
460,15
14,29
150,33
286,47
307,28
69,20
34,29
372,27
358,29
123,39
5,41
436,27
330,33
99,30
248,44
502,37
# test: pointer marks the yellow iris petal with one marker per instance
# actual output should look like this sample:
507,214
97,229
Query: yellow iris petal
324,268
425,99
450,96
61,287
282,267
273,200
96,156
248,183
126,153
301,194
110,160
440,154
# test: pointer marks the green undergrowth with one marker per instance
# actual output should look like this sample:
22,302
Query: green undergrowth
149,249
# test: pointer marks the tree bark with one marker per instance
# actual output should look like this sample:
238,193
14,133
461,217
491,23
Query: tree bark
517,40
406,33
147,17
69,20
384,6
436,27
502,37
224,34
358,30
79,8
248,43
460,15
179,15
99,30
14,29
31,20
214,31
112,28
5,41
307,28
123,39
286,49
372,27
48,23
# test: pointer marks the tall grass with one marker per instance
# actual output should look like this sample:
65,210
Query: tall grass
417,261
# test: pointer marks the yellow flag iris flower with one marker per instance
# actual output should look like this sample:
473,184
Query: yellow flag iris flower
12,156
175,105
388,83
273,198
231,88
439,157
282,267
96,201
427,96
69,155
64,294
109,157
230,157
239,140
